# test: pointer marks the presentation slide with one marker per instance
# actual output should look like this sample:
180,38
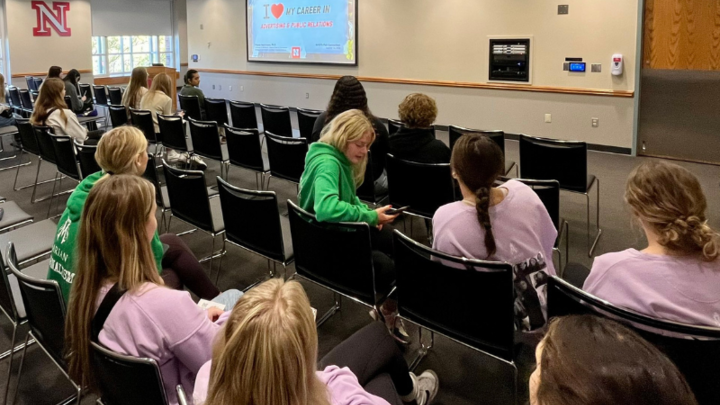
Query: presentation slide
302,31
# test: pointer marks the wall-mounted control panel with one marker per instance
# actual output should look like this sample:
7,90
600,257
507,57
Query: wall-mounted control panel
510,60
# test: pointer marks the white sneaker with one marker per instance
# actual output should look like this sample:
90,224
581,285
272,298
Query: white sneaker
173,156
197,161
426,387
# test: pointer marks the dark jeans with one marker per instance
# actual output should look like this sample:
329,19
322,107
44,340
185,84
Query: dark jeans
382,244
375,359
181,268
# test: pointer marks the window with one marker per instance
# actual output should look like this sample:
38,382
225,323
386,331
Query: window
119,55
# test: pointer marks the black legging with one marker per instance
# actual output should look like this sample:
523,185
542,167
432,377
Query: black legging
375,359
181,268
382,244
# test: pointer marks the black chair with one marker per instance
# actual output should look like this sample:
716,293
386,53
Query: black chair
142,119
695,350
87,91
115,94
253,222
161,194
125,379
172,133
394,126
216,110
286,157
469,301
566,162
344,265
26,101
28,144
245,150
47,154
38,82
66,162
191,203
191,105
34,94
30,83
118,115
86,158
15,102
68,102
456,132
276,119
206,143
366,191
306,121
424,187
46,312
99,93
243,115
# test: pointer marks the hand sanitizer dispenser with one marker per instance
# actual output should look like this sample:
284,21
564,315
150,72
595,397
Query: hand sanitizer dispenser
617,64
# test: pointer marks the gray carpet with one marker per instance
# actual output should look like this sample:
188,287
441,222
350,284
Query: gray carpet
466,376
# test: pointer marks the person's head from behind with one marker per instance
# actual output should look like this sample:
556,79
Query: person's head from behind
138,80
73,76
267,352
122,150
54,72
192,78
476,163
349,94
587,360
351,133
163,83
116,227
51,97
418,110
668,201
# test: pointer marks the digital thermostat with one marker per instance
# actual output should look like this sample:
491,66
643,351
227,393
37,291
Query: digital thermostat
577,66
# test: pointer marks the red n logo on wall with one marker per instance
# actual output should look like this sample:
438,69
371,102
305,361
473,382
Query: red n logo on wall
47,19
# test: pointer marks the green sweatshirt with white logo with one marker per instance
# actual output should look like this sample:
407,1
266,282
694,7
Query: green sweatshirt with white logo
62,261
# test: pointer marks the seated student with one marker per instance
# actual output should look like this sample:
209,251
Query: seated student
587,360
123,151
7,118
191,88
80,104
136,89
349,94
677,276
415,141
116,270
51,110
267,354
507,223
53,73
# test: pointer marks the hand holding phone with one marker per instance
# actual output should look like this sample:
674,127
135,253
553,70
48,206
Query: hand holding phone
396,211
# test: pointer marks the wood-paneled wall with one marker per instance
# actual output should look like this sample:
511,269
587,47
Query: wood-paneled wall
682,34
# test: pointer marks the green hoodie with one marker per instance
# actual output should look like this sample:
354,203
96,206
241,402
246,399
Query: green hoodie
62,265
327,187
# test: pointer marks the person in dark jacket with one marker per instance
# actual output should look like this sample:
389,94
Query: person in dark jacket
415,141
349,94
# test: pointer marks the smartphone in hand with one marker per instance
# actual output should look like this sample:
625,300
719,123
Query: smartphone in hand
395,211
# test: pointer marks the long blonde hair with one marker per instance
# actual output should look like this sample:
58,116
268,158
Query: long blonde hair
138,80
118,150
2,88
347,127
112,247
267,352
162,83
50,98
670,200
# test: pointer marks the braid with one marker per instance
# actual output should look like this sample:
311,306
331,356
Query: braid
483,213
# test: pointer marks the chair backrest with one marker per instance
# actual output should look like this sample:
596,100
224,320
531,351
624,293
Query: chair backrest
276,119
549,159
34,94
188,196
151,174
243,114
118,115
86,157
44,306
549,193
66,160
27,136
45,144
142,119
206,139
38,82
85,90
14,96
366,191
695,350
306,121
172,132
394,126
68,102
115,94
216,110
244,147
191,105
25,99
7,301
423,186
286,156
343,264
30,83
456,132
127,380
471,301
252,220
100,93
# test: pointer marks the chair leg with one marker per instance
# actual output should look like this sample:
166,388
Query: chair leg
592,246
330,312
52,195
37,176
12,351
22,361
423,350
220,266
212,253
17,173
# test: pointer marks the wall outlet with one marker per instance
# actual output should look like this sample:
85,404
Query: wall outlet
307,95
242,88
596,67
595,122
563,9
548,118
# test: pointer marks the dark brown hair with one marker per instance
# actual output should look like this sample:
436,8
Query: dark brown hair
349,94
477,161
49,99
189,75
54,72
587,360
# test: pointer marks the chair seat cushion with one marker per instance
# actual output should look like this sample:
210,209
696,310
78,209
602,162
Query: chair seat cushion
13,215
30,241
287,237
585,189
216,211
37,270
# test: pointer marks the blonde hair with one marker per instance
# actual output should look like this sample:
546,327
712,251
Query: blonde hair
118,150
138,80
267,352
347,127
2,88
50,98
670,200
161,82
112,247
418,110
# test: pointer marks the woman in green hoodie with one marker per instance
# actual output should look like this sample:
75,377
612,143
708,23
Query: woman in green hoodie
123,150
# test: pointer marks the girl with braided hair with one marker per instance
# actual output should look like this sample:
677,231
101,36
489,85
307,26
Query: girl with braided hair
507,223
677,276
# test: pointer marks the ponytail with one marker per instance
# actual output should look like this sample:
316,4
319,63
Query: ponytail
482,206
691,234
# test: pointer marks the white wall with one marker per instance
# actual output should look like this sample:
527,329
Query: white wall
180,26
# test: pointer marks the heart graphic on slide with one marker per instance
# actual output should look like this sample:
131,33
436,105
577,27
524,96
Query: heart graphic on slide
277,10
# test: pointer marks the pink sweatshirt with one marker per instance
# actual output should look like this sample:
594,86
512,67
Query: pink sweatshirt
164,325
680,289
342,385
